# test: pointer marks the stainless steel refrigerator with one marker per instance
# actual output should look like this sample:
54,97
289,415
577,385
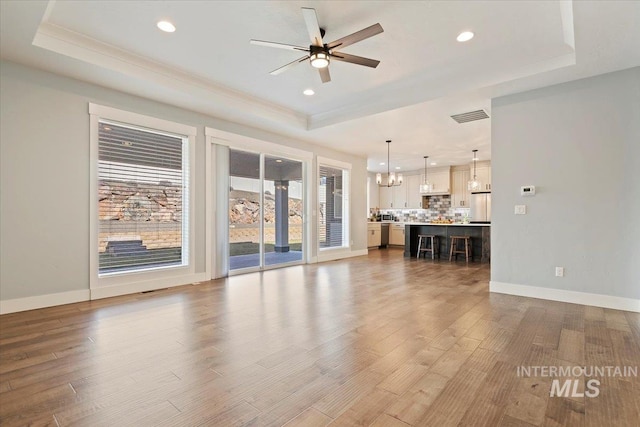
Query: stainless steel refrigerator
480,207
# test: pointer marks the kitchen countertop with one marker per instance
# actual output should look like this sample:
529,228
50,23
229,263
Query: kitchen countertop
448,225
428,223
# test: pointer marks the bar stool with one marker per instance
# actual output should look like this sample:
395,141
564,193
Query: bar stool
467,247
433,247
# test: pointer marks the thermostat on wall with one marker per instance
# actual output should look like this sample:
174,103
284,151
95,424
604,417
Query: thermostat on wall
528,190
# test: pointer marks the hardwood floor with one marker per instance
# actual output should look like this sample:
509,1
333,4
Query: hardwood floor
377,340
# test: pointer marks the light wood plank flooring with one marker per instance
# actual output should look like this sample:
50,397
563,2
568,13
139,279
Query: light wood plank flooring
377,340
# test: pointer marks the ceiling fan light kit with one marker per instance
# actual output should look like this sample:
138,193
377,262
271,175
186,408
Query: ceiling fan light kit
319,60
320,54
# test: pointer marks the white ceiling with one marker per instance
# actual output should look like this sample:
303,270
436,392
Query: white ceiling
424,76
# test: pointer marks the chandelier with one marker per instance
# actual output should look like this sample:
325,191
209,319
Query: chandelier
426,186
474,184
392,181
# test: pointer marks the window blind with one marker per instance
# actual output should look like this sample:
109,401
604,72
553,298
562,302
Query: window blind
142,195
333,195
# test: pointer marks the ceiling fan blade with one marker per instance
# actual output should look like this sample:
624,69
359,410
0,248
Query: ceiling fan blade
324,74
289,65
311,20
356,37
278,45
354,59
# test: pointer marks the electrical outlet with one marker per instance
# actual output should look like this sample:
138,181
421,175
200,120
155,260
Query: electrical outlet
521,210
559,271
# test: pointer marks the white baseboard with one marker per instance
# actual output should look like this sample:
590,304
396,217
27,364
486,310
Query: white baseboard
146,285
584,298
332,255
41,301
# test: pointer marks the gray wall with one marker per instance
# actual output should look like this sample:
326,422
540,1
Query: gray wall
44,143
579,144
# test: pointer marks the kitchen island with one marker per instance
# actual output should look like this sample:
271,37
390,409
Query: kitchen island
480,234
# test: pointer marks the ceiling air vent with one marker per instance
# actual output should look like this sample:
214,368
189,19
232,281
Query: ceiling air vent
470,116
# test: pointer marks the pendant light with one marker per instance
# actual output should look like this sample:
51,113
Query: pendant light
391,176
474,184
426,186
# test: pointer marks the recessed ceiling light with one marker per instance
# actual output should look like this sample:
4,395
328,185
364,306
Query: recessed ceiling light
278,161
397,167
464,36
433,163
166,26
309,92
382,164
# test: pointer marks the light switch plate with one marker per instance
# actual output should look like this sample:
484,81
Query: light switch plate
521,210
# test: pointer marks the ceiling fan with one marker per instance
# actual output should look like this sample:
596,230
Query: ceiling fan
319,53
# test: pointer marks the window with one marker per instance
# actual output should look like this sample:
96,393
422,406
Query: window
333,207
142,217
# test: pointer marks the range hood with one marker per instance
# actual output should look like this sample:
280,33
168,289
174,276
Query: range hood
436,193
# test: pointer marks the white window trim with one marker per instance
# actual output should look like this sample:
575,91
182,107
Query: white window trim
346,238
139,280
239,142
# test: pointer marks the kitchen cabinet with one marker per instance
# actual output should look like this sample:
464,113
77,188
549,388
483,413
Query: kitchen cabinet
393,197
386,197
374,192
440,178
396,235
483,174
414,198
373,235
460,195
400,196
407,195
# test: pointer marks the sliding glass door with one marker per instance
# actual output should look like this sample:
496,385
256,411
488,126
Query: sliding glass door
266,211
245,210
283,210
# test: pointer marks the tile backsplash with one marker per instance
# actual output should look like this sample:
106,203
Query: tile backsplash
439,206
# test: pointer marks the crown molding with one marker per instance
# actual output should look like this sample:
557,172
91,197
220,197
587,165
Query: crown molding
79,46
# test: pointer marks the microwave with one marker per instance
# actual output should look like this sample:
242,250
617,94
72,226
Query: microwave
386,217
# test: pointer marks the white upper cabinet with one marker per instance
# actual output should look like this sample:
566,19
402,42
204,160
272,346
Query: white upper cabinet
394,197
483,174
451,180
414,198
440,178
405,196
460,194
386,197
400,196
374,192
